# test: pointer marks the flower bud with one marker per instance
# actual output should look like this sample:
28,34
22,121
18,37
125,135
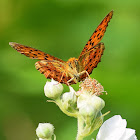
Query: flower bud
92,100
90,105
97,102
45,130
87,111
53,89
69,98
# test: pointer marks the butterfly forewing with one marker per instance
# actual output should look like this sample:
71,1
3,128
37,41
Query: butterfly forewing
97,35
33,53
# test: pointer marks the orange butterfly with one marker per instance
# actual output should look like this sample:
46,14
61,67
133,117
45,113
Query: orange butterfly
74,70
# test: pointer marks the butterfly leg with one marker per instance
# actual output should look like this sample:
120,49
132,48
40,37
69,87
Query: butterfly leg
79,74
83,72
61,78
70,80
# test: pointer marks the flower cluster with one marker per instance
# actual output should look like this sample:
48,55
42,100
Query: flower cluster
86,106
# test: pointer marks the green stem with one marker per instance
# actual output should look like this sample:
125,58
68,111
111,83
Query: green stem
58,102
80,128
54,137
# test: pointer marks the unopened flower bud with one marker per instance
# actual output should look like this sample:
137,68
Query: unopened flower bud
53,89
45,130
69,98
87,111
97,102
90,105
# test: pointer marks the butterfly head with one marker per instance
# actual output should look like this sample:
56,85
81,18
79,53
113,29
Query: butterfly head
72,64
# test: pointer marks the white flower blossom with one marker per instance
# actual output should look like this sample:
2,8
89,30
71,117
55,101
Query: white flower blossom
115,129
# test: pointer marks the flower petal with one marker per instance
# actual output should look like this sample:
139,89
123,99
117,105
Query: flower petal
129,135
112,129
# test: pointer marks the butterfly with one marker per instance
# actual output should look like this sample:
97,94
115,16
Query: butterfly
75,69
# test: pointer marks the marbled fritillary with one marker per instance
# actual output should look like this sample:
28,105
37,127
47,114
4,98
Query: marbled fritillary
75,69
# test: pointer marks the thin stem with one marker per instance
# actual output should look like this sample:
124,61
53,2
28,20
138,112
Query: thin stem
54,137
58,102
80,128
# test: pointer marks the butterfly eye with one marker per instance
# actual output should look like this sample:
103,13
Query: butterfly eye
70,65
76,62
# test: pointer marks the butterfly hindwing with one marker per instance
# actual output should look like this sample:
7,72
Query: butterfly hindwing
53,69
89,60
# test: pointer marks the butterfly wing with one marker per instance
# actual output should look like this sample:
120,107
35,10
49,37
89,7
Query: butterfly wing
33,53
97,35
53,69
89,60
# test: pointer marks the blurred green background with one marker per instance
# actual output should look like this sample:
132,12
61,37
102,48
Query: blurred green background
62,28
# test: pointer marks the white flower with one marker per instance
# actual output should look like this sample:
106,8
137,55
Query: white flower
115,129
53,89
45,130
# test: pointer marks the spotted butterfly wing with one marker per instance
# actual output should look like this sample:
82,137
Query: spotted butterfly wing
53,69
62,71
32,53
92,52
97,35
90,59
50,66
